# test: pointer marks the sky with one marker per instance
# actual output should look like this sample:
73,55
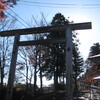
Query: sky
74,10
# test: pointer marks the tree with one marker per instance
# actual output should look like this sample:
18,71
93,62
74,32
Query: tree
5,47
5,53
55,65
3,6
56,60
36,57
95,49
77,65
23,64
77,60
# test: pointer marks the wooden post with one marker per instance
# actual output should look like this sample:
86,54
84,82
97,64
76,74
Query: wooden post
69,72
12,69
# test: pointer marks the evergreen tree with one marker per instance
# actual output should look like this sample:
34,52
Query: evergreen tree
55,65
56,61
77,65
95,49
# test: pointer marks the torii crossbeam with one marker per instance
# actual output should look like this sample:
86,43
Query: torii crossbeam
37,30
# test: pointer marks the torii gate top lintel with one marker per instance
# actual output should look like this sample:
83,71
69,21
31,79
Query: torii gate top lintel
73,26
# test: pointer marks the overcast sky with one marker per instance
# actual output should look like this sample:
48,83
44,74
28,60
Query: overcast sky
77,11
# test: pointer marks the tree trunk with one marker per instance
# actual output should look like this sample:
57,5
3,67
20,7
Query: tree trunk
55,74
2,76
41,80
56,78
55,89
63,78
35,80
31,79
2,70
76,87
57,58
26,77
35,76
40,72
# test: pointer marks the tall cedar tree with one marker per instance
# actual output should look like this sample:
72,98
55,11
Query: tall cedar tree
55,65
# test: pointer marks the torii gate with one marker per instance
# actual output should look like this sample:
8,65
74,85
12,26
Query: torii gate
68,40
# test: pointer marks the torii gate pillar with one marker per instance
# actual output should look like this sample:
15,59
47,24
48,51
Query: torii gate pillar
12,68
69,55
69,72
